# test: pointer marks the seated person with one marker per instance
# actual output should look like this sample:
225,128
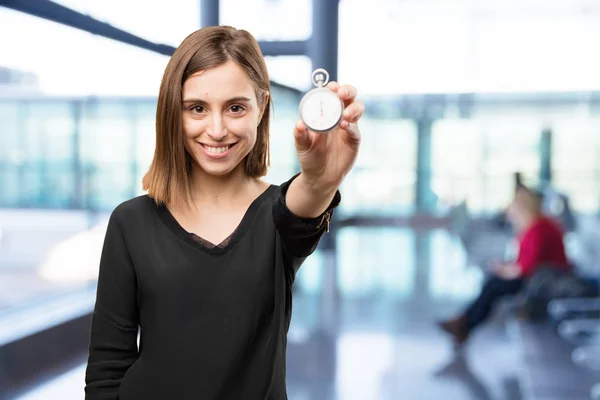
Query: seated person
540,243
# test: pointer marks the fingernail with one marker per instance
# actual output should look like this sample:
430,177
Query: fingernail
343,92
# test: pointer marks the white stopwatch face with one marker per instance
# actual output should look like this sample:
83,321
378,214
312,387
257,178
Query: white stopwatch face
321,109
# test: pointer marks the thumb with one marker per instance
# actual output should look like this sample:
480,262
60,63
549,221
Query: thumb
301,136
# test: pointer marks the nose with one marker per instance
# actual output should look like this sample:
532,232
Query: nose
216,129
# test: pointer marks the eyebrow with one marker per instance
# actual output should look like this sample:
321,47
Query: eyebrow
232,100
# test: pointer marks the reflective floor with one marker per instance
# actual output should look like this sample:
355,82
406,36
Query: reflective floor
377,338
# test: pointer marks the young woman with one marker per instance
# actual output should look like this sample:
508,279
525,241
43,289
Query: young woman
203,264
540,244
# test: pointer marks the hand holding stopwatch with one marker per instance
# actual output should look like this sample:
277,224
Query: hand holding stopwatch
321,109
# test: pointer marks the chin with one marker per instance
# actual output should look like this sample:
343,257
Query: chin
221,168
217,170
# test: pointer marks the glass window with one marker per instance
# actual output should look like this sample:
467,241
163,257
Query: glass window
106,164
10,155
48,142
476,159
38,154
575,155
383,179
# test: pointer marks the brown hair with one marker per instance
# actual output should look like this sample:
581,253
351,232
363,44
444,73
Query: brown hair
168,178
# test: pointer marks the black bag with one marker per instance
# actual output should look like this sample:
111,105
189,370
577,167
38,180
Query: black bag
549,283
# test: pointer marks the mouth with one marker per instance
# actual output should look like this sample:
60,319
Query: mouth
217,151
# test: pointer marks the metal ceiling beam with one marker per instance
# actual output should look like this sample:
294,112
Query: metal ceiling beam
284,48
209,13
57,13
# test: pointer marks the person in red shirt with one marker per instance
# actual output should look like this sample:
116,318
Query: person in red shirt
540,244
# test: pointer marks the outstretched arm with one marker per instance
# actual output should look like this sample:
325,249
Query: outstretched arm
305,204
325,159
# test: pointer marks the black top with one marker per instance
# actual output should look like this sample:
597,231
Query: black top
213,319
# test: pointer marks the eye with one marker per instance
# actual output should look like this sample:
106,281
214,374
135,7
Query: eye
197,109
236,109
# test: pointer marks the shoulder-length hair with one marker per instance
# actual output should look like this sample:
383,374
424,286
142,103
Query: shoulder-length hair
168,180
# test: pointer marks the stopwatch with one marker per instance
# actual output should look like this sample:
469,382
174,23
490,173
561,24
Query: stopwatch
321,109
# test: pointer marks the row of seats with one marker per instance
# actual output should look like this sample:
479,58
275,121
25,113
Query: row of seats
578,324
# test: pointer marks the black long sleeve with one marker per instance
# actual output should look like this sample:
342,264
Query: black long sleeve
113,340
300,235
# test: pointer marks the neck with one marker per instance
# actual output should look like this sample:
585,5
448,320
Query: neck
221,189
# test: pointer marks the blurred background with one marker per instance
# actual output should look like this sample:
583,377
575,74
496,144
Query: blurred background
460,95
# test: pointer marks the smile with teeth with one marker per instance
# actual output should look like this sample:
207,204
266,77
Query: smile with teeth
216,150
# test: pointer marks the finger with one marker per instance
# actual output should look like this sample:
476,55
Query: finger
354,111
333,85
352,130
347,93
301,136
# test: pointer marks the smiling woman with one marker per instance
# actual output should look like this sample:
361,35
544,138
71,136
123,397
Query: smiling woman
204,264
195,110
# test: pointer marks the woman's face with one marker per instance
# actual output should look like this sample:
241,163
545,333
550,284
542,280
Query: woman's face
519,211
514,213
220,118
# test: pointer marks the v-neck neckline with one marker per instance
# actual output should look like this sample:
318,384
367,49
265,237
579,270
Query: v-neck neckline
208,244
169,220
